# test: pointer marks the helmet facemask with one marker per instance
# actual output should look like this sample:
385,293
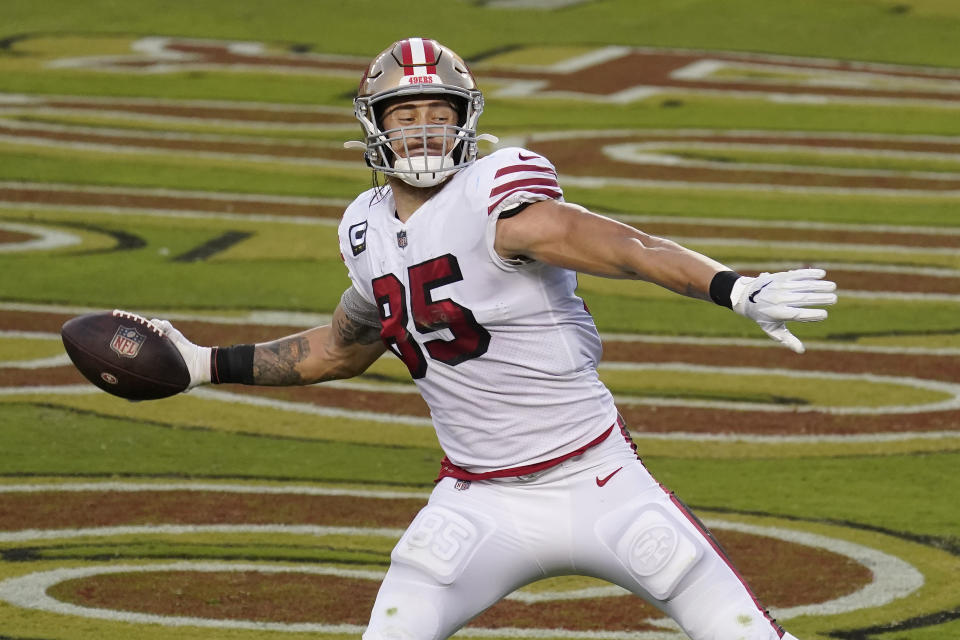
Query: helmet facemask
421,155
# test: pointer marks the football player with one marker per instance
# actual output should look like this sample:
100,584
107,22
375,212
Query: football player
466,269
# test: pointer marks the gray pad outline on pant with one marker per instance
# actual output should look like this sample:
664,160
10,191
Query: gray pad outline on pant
441,541
653,544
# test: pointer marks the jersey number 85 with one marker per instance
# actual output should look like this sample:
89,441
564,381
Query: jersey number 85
470,340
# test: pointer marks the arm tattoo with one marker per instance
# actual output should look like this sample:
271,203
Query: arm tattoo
350,332
275,363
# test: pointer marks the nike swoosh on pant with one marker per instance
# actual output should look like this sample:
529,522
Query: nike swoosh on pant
601,482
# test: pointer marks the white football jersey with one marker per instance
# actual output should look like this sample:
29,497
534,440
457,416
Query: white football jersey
504,353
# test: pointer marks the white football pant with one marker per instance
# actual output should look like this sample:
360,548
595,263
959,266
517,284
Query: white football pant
600,514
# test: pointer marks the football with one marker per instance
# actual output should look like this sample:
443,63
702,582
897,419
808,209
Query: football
125,354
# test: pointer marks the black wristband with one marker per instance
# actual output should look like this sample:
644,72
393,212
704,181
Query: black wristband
232,364
721,286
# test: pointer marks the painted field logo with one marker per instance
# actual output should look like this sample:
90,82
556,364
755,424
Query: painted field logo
127,342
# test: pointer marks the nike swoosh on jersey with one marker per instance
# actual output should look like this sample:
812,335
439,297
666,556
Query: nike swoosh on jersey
753,296
601,482
525,158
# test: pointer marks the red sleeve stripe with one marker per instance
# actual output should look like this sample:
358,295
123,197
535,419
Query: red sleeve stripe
550,193
533,168
529,182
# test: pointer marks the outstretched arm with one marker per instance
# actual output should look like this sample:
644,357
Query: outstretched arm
343,349
570,236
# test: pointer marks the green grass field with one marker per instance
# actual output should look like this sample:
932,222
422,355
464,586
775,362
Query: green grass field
857,441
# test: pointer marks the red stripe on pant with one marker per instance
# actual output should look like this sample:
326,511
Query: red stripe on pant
695,521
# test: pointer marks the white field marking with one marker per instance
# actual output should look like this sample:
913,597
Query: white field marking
139,487
699,69
306,320
38,363
510,88
596,182
165,61
694,240
812,77
177,193
770,440
110,132
220,68
589,59
117,114
635,154
812,246
154,49
625,151
310,409
679,436
951,404
46,238
802,225
933,272
902,296
28,335
340,202
893,578
827,63
658,154
193,153
286,318
61,390
26,535
576,134
186,214
812,345
32,100
532,89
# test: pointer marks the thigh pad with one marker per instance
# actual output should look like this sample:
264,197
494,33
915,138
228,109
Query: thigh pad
441,541
653,544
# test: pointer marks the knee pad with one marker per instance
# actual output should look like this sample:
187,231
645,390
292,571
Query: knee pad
652,544
440,541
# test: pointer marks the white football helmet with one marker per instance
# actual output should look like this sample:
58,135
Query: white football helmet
418,67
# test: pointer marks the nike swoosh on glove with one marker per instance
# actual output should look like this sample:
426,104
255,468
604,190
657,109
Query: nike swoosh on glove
196,358
773,299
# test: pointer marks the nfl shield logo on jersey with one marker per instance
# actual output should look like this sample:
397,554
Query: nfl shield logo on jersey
127,342
402,239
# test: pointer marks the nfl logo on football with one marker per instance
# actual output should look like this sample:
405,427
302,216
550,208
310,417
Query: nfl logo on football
127,342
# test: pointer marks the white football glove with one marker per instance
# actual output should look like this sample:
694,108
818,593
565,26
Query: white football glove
772,299
197,358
